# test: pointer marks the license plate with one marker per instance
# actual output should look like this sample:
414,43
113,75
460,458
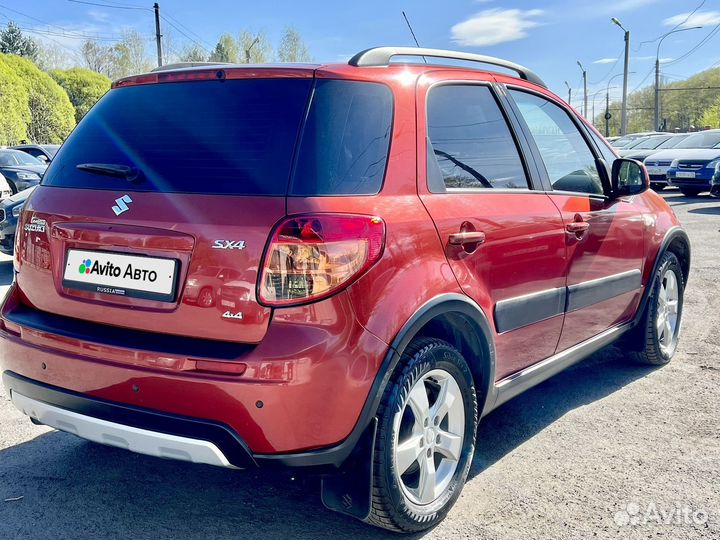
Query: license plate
655,170
227,303
685,174
119,274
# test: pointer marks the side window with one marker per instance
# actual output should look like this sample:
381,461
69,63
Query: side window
469,142
569,162
605,150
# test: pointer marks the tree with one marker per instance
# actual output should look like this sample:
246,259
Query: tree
98,57
52,116
254,48
711,116
83,86
226,50
292,47
193,53
14,106
51,57
12,41
129,56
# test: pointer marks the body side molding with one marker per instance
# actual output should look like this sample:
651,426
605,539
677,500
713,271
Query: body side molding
591,292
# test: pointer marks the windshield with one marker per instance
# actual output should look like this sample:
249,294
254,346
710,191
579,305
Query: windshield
672,142
651,143
705,139
12,158
51,149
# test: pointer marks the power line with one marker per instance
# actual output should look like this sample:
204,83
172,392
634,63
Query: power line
109,5
188,30
615,63
196,42
702,42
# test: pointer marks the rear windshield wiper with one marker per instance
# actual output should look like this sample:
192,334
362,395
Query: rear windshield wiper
131,174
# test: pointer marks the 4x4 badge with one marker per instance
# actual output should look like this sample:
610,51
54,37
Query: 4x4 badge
122,205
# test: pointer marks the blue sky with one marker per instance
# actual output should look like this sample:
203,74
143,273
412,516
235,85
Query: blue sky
548,36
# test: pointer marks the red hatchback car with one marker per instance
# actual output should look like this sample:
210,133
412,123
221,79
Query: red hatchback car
415,245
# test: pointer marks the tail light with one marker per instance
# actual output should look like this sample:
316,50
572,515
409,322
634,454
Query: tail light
311,257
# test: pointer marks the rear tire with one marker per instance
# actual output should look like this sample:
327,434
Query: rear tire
690,192
427,425
660,327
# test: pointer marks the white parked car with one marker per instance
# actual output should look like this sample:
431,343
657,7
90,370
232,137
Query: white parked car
5,190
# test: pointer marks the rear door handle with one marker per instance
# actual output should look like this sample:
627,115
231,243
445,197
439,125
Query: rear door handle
466,237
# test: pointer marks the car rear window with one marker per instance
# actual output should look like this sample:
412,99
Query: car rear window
234,137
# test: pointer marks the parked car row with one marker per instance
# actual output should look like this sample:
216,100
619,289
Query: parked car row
688,161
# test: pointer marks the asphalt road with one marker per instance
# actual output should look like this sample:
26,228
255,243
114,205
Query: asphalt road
607,449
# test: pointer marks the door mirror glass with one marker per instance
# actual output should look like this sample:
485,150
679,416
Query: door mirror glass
629,177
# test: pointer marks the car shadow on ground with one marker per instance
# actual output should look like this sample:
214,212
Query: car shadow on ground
74,489
706,210
6,272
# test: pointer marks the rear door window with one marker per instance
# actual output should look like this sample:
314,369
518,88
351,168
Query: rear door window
470,145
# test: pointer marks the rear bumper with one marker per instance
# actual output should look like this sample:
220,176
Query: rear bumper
297,400
132,428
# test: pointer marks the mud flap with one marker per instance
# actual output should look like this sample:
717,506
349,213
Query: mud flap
349,490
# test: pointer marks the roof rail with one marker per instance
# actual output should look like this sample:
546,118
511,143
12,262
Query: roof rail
180,65
380,56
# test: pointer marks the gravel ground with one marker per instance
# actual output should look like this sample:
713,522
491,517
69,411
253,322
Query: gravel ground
605,450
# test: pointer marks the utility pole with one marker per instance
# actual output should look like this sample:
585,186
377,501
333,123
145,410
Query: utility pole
657,72
569,93
585,103
158,35
608,116
626,69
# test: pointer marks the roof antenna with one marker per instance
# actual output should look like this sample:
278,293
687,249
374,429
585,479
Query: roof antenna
413,34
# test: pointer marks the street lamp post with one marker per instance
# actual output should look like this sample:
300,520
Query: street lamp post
623,121
569,93
584,73
657,72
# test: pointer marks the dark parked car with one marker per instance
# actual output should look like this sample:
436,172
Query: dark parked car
418,245
43,152
21,170
650,145
10,209
715,183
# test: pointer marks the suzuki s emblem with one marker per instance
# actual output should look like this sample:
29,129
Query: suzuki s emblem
229,244
122,205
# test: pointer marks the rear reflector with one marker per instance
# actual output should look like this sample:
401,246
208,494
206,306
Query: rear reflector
311,257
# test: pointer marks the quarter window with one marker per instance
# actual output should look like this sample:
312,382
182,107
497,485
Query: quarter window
470,145
568,160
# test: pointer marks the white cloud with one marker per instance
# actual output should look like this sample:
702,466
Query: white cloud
605,61
100,16
494,26
700,18
666,60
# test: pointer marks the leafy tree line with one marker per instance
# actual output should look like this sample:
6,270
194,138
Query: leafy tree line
692,103
42,97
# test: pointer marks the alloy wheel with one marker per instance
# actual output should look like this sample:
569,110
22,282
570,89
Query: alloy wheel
429,432
666,318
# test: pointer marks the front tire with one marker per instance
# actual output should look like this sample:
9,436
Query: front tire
661,324
426,438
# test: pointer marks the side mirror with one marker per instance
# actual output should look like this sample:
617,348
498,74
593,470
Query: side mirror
629,177
43,158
